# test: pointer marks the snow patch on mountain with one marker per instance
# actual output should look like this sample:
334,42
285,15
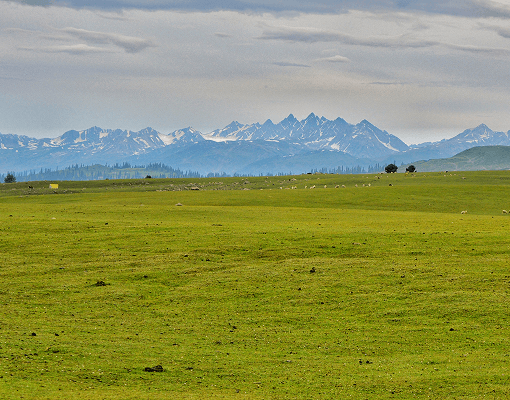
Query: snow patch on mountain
166,139
211,137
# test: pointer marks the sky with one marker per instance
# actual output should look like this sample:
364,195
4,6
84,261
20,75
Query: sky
421,70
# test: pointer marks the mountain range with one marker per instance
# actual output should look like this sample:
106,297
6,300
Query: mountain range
290,146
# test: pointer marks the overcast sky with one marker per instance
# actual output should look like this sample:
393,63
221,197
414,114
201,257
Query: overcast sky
422,70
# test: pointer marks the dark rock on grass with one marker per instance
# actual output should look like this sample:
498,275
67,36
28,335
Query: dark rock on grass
157,368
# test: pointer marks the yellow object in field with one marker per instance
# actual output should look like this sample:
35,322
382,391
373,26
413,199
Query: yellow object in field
53,185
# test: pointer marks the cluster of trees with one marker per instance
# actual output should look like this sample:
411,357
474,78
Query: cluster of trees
392,168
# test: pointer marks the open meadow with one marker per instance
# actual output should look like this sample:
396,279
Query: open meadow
379,288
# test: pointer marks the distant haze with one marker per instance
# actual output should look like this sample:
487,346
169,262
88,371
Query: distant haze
422,71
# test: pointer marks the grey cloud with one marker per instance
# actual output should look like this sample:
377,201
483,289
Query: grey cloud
479,50
310,35
43,3
322,6
222,35
335,59
128,43
469,8
387,83
289,64
503,32
71,49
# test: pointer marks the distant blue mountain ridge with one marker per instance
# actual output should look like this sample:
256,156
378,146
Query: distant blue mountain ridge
290,146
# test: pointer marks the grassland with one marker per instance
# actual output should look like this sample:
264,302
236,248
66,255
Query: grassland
363,292
473,159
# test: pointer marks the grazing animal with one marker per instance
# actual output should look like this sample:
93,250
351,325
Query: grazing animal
505,212
464,212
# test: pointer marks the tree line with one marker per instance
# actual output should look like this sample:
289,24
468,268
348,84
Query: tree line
97,172
158,170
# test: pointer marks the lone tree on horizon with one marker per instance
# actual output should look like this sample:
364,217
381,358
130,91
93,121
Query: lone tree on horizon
411,168
9,178
390,168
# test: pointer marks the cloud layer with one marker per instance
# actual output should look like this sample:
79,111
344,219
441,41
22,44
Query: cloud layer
465,8
421,70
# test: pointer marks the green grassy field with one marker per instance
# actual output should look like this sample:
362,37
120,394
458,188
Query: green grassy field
367,291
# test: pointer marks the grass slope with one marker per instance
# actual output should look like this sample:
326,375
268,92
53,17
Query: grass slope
380,292
474,159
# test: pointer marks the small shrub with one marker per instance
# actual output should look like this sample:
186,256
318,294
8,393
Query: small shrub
10,178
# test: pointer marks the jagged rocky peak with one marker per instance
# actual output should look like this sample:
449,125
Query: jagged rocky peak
311,119
72,134
149,131
268,124
481,131
367,125
339,123
291,119
289,122
234,125
188,130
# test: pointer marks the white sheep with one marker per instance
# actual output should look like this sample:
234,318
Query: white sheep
464,212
